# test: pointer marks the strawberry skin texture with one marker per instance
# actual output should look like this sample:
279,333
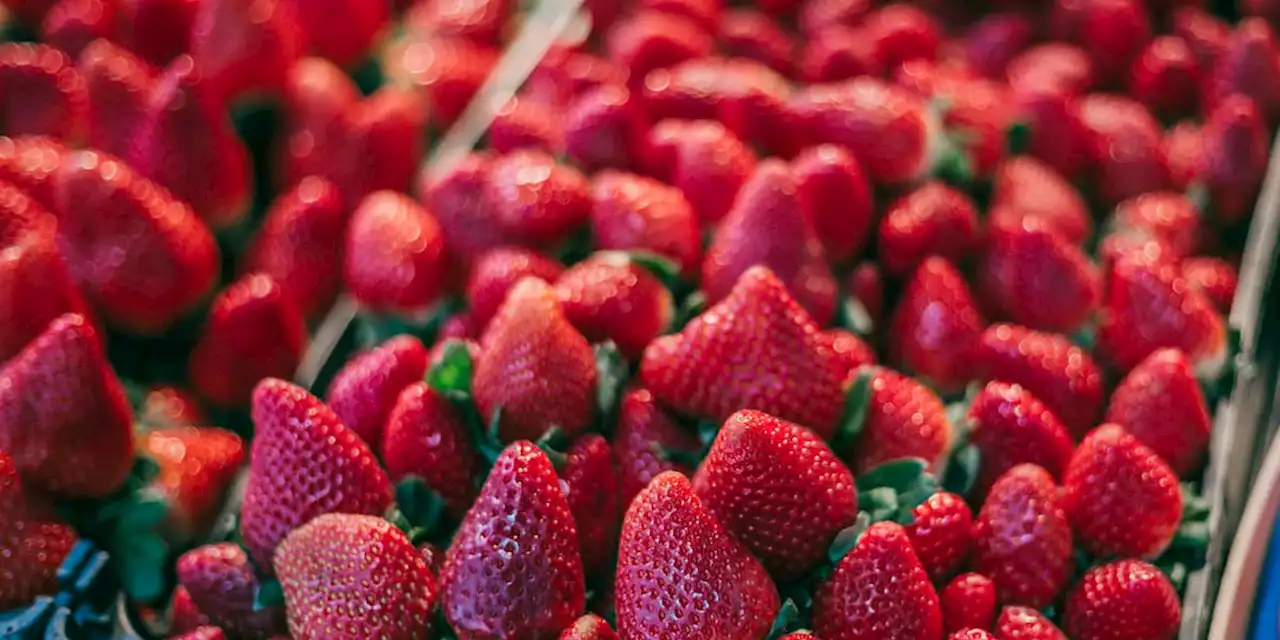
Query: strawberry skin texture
118,85
610,297
778,489
932,220
1166,215
1122,499
458,201
935,326
1010,426
1128,146
366,388
835,194
756,349
682,574
537,199
448,70
523,123
969,601
1248,56
197,465
71,25
632,212
534,367
30,163
495,272
426,436
1161,404
394,258
1032,276
904,420
589,627
1214,277
604,127
1124,599
254,331
34,538
304,463
337,567
940,534
513,569
341,30
644,430
1024,187
879,589
592,493
43,94
1025,623
1233,159
221,582
1023,539
1059,373
245,46
850,351
704,160
1166,75
64,419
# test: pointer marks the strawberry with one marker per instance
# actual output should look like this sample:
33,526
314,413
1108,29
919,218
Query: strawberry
866,285
681,573
1025,187
610,297
1160,403
1009,426
644,436
1128,146
751,34
34,538
878,589
245,46
119,84
457,199
969,601
935,326
836,196
338,566
304,463
1166,215
990,43
1022,538
1059,373
816,14
767,226
1166,77
197,465
341,30
1122,599
513,567
940,534
426,436
301,234
43,93
755,349
1114,32
1025,623
702,12
980,114
566,72
1053,66
631,212
29,11
393,258
385,143
222,583
318,99
537,199
1033,276
589,627
708,163
934,219
1183,146
649,40
604,128
157,30
1233,160
900,32
497,271
850,351
1249,55
1214,277
904,420
201,633
30,163
1206,34
1121,498
184,617
64,419
365,389
170,406
1058,135
448,70
837,53
970,633
591,488
778,489
254,331
71,25
534,367
478,20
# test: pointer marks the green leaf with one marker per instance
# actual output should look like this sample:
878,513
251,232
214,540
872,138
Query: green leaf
1086,337
857,400
420,506
853,315
145,514
139,561
453,373
788,613
1194,507
953,166
1191,536
900,475
662,267
611,377
691,307
553,444
143,471
679,457
708,430
878,499
268,596
962,471
1017,137
847,538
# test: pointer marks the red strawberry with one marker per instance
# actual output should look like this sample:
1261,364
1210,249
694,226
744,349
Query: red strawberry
990,43
71,25
835,194
1056,67
1122,499
1166,215
426,436
1206,34
1233,160
767,226
591,488
497,271
119,84
837,53
1114,32
682,574
631,212
1214,277
756,349
850,351
589,627
222,583
29,11
1058,136
478,20
702,12
341,30
1128,146
1122,600
169,406
969,601
707,163
201,633
301,234
1022,538
184,617
610,297
980,114
537,199
34,538
1160,403
157,30
43,94
904,420
1060,374
900,32
197,465
940,534
523,123
384,143
64,419
1033,276
366,389
246,46
816,14
650,40
1025,623
394,258
1166,76
778,489
866,285
304,463
1183,145
879,589
970,633
513,568
936,325
753,35
457,199
448,70
534,367
1249,55
932,220
318,99
566,72
644,435
433,555
338,566
254,331
30,163
1009,426
604,127
1028,188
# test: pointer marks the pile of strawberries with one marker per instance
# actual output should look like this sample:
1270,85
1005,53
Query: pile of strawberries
829,319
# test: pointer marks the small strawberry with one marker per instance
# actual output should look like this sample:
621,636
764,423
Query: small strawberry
365,389
118,85
41,93
1161,404
300,236
1205,33
1128,146
611,297
513,567
1166,76
1233,160
383,145
448,70
393,258
339,566
850,351
1025,623
1249,55
935,326
245,46
1022,538
591,488
341,30
604,127
681,573
1025,187
778,489
707,162
940,533
969,601
649,40
641,444
184,616
170,406
222,583
589,627
304,463
1054,66
197,465
904,419
1122,599
426,436
457,199
318,100
1183,145
495,272
990,43
157,30
34,538
751,34
1166,215
900,32
64,419
631,212
932,220
1214,277
837,53
879,589
1009,426
1033,276
537,199
477,20
835,194
71,25
1121,498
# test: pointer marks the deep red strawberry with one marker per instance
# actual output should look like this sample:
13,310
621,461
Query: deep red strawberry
751,34
932,220
1128,146
671,546
1033,276
1025,623
296,245
650,40
222,583
1114,32
157,30
835,194
1233,159
341,30
969,601
394,258
34,537
448,70
426,436
941,535
495,272
1160,403
837,53
1122,599
71,25
1166,76
364,391
851,352
197,465
591,488
900,32
604,127
537,199
1022,538
990,43
1249,55
611,297
904,419
642,443
184,616
1009,426
1025,187
118,86
246,46
705,161
631,212
41,93
1166,215
1214,277
935,326
30,163
384,143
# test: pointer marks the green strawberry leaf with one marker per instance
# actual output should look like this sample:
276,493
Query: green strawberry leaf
848,538
452,374
679,457
877,500
611,376
1086,337
1195,508
420,506
857,400
1191,536
553,444
691,307
853,315
268,596
139,562
899,475
663,268
144,470
576,248
953,166
962,470
1017,137
787,616
146,513
1176,572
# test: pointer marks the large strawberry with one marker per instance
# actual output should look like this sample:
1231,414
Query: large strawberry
513,567
304,463
1025,623
682,574
64,419
1022,538
1033,276
495,272
34,538
337,567
1059,373
611,297
932,220
222,583
756,349
604,127
1233,159
941,534
41,93
245,46
631,212
1024,187
341,30
197,465
904,419
591,487
836,195
878,589
1161,404
1010,426
118,86
535,370
535,198
1124,599
935,326
318,100
394,258
426,436
702,159
366,388
969,601
645,441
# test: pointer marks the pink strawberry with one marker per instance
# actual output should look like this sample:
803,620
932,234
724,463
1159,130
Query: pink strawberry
1009,426
644,436
604,127
610,297
941,535
197,466
1022,538
631,212
1053,66
535,198
119,84
497,271
1122,599
837,53
836,196
707,162
650,40
589,627
426,436
1214,277
43,94
935,326
1166,76
365,389
990,43
932,220
301,234
1249,55
245,46
1025,623
71,25
1233,160
904,420
157,30
1160,403
969,601
591,484
1024,187
34,537
341,30
1059,373
222,583
754,35
1033,276
393,258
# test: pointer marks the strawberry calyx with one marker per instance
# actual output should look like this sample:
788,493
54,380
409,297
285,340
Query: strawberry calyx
689,308
788,615
857,400
960,471
418,510
853,315
612,373
1017,138
893,490
553,443
268,596
450,376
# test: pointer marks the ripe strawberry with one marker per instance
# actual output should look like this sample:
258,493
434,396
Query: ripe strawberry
30,12
426,436
35,539
644,436
197,465
748,97
904,420
1114,32
384,143
1249,55
566,72
589,627
1121,498
1166,215
591,488
980,114
1033,276
184,617
1122,599
1128,147
837,53
364,391
970,633
704,13
30,163
535,198
1022,538
222,583
756,349
1025,187
497,271
940,534
767,226
170,406
1059,373
1183,145
201,633
900,32
534,367
1214,277
1057,67
969,601
301,234
457,199
338,566
71,25
799,635
478,20
318,99
1233,160
935,326
990,43
751,34
649,40
707,162
866,285
610,297
1206,34
118,85
1025,623
64,419
185,143
1160,403
1166,77
816,14
341,30
631,212
393,258
932,220
604,127
513,567
878,589
672,546
850,351
1058,136
836,196
245,46
778,489
304,463
448,70
157,30
43,94
1009,426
